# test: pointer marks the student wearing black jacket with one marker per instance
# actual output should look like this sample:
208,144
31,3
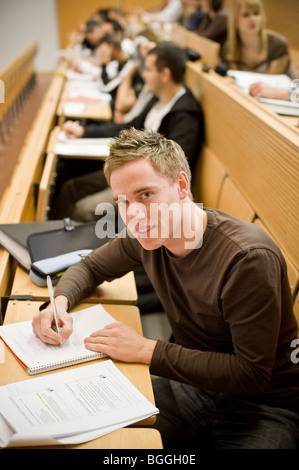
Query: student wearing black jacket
173,112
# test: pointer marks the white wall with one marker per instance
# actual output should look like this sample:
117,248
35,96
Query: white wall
24,21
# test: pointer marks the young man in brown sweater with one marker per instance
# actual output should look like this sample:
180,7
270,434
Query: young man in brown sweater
227,379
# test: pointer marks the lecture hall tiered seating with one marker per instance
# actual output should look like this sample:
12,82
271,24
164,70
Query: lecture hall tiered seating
248,166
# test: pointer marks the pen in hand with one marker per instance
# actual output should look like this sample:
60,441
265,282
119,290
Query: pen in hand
51,294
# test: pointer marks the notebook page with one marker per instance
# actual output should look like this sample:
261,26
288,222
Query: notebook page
36,354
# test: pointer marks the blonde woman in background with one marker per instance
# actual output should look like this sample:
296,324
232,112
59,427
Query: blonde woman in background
251,47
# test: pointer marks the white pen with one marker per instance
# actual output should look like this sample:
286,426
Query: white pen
51,294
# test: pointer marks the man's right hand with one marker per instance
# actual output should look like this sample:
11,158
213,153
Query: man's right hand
43,322
73,129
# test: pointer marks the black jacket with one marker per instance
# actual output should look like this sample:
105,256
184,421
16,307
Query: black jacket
184,124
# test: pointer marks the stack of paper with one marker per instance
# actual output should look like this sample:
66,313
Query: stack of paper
88,95
79,76
70,407
245,79
74,108
85,147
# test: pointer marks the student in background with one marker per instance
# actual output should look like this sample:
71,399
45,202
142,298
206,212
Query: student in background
115,64
250,46
173,111
111,67
92,34
112,26
132,95
214,22
193,15
169,12
227,379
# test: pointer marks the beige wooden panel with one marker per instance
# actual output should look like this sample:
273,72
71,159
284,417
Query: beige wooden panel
5,271
15,76
293,273
259,151
208,49
19,199
71,13
120,291
44,190
233,202
208,178
125,438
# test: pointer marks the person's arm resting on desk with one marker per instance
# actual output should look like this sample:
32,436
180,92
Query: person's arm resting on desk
264,90
121,342
117,340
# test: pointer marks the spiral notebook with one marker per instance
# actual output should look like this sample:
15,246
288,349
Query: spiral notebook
37,356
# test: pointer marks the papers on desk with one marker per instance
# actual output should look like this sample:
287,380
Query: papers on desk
36,356
70,407
89,147
87,95
245,79
287,108
79,76
79,89
74,108
80,93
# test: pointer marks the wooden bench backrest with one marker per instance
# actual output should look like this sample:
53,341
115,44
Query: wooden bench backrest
258,150
208,179
208,49
293,273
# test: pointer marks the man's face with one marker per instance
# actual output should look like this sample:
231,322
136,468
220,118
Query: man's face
140,191
151,75
106,52
94,35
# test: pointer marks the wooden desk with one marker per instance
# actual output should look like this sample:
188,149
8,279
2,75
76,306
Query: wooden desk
82,147
120,291
11,370
97,110
125,438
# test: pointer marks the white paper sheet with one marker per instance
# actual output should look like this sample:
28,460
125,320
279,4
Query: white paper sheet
37,355
70,407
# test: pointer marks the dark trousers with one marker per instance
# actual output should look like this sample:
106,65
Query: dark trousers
194,419
75,188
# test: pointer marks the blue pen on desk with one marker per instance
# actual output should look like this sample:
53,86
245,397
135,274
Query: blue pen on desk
51,294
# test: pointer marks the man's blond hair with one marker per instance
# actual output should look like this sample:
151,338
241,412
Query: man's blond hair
165,155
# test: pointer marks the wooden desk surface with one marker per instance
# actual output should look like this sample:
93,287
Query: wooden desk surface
125,438
98,110
54,139
120,291
11,370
